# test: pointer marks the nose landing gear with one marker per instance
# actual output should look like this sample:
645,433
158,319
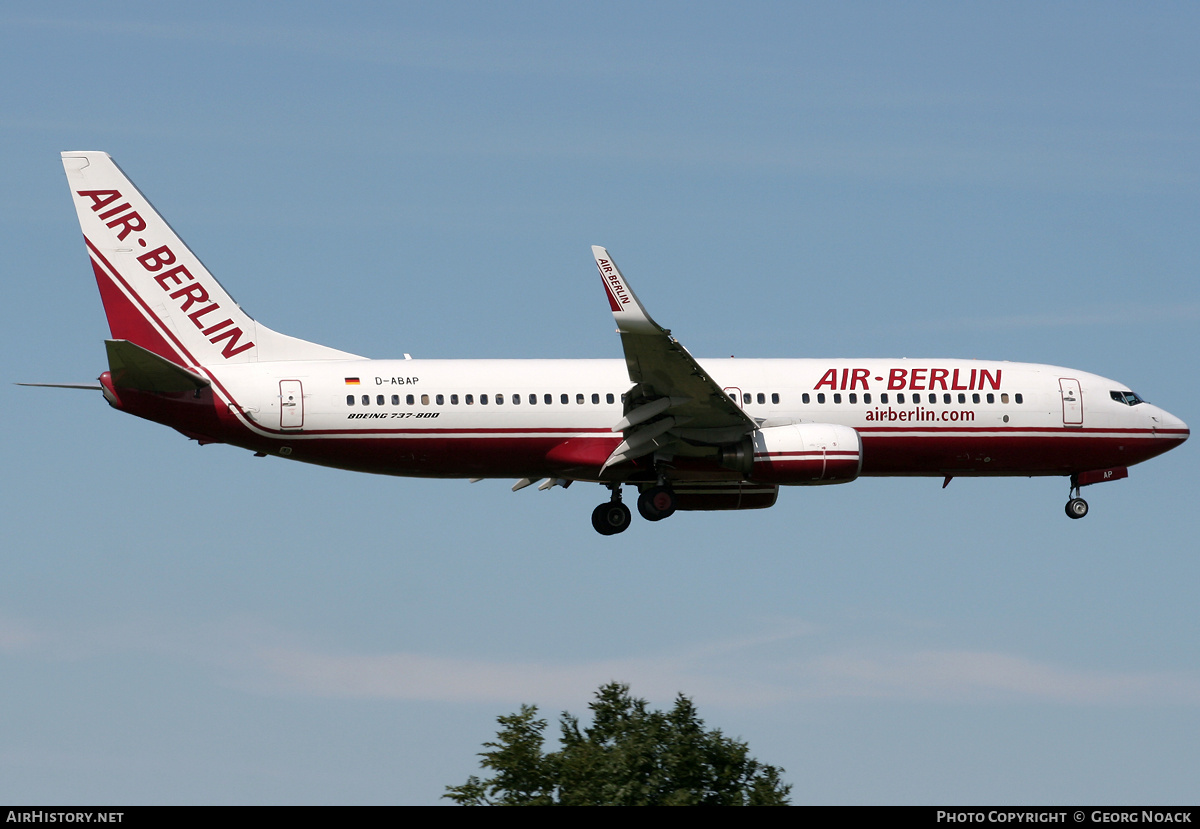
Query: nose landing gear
1076,507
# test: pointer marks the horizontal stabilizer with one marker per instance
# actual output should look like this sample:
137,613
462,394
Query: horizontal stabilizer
134,367
88,386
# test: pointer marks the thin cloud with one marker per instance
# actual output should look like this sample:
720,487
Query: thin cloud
410,676
790,663
959,676
16,636
980,676
1125,315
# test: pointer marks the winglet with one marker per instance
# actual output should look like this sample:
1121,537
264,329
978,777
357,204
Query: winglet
631,317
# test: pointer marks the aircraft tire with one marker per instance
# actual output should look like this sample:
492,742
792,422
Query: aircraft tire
656,503
611,517
1077,508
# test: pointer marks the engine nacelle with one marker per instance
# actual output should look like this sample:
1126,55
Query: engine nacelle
806,454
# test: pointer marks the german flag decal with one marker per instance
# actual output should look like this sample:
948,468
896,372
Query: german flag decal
352,381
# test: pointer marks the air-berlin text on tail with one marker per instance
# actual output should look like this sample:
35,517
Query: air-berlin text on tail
612,280
178,282
911,379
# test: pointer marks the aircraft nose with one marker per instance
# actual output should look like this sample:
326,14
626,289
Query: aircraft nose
1170,423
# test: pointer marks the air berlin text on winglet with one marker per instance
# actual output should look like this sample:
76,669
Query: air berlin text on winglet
157,259
917,379
614,281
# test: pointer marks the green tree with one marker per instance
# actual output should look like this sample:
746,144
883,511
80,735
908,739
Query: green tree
629,756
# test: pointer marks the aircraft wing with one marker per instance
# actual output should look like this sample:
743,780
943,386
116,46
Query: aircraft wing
673,397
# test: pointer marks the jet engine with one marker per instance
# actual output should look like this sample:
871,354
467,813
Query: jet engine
798,454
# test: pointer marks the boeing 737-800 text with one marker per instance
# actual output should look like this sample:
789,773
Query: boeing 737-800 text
688,434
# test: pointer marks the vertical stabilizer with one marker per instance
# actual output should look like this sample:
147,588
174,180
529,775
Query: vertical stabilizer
156,292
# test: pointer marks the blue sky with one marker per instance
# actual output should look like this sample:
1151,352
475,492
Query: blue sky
194,625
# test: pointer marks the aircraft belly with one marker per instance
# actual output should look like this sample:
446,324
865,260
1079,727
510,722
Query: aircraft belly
1022,454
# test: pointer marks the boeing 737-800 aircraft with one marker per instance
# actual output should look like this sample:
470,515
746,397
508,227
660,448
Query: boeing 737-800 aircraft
690,435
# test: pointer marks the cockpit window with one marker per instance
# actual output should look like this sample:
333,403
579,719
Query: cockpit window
1126,397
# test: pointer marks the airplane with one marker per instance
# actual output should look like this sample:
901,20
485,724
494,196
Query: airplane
688,435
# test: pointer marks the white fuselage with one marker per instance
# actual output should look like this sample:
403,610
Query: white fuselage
916,417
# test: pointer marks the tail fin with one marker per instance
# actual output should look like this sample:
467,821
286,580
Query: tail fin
156,293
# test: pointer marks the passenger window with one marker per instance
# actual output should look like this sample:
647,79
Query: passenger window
410,400
821,397
962,398
1019,398
975,397
609,398
837,398
775,397
483,400
379,400
991,398
1004,397
916,398
565,399
440,399
424,400
745,397
366,398
454,400
395,400
946,398
469,400
579,399
804,397
853,397
548,399
867,398
349,400
883,398
900,397
499,400
533,400
595,399
516,400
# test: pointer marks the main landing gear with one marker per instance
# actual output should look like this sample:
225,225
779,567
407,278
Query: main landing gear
613,517
657,503
654,504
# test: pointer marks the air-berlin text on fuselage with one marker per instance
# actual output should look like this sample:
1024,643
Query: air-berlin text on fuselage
911,379
614,281
186,295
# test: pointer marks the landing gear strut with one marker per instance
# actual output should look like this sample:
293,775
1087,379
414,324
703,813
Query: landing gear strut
612,517
1076,507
